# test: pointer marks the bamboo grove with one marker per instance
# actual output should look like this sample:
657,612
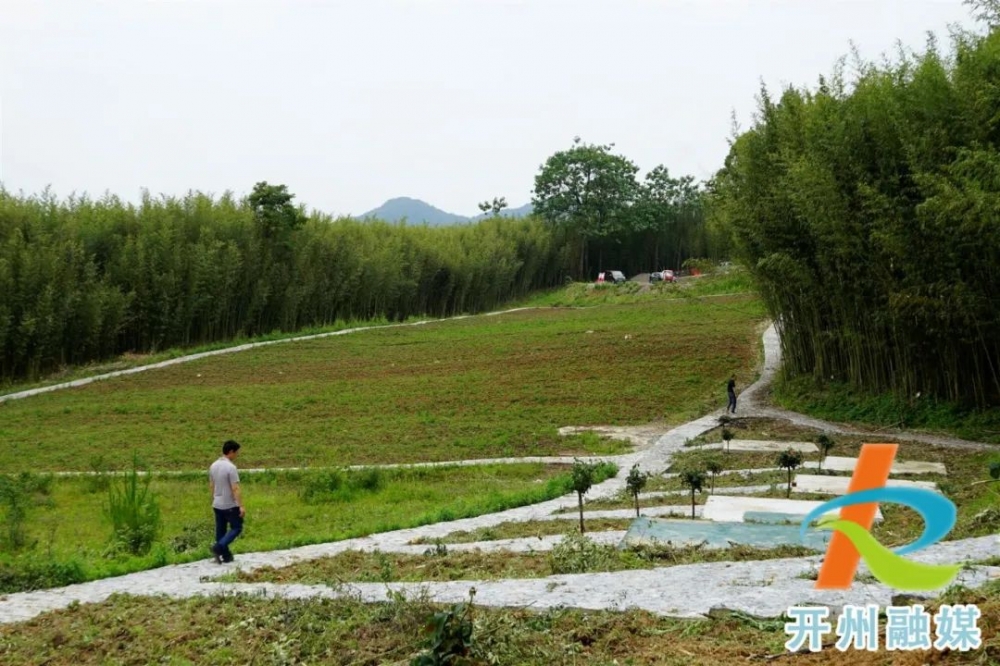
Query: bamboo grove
870,217
84,280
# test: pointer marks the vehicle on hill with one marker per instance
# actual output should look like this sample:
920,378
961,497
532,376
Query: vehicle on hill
663,276
611,276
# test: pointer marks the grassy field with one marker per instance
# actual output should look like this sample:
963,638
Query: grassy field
473,388
68,529
239,629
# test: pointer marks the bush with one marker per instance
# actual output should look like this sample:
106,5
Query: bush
134,513
31,574
340,485
17,496
576,553
193,536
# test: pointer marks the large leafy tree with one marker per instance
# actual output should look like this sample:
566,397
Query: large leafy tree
587,191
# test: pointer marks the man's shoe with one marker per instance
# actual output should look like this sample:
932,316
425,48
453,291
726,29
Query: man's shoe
216,554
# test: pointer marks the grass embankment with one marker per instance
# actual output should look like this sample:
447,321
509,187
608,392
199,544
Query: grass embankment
574,554
246,629
475,388
524,530
69,539
839,402
585,294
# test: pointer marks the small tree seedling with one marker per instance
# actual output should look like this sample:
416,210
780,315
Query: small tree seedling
789,459
634,483
695,480
727,435
714,466
825,444
583,480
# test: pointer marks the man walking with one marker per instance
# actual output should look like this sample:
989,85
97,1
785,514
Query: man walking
227,501
731,388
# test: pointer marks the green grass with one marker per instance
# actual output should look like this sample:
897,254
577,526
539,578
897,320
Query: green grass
128,361
839,402
473,388
526,529
69,530
244,629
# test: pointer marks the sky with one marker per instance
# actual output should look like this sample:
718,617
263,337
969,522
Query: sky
352,102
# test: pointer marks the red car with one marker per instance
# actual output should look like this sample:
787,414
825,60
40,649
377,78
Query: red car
665,276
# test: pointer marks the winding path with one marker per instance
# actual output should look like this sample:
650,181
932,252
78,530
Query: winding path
762,588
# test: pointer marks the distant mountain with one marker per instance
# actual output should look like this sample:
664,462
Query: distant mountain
418,212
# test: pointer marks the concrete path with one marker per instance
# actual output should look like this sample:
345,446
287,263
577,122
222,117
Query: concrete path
763,588
19,395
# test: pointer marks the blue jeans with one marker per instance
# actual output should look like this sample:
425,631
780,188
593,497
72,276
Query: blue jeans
732,403
224,517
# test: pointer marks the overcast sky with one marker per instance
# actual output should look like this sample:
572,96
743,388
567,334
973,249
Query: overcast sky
352,102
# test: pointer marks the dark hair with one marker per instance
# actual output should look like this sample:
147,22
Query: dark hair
230,446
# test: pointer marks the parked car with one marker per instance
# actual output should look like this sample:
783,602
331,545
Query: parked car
664,276
611,276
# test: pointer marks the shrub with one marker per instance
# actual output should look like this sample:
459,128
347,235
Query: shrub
576,553
451,637
28,574
17,496
134,512
193,536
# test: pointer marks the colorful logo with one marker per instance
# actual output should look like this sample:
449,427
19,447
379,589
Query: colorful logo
852,539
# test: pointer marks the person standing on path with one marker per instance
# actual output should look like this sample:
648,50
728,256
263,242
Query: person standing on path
731,389
227,501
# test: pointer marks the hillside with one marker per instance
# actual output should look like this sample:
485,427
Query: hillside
418,212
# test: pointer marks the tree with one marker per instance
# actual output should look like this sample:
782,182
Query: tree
789,459
825,444
273,210
714,466
587,191
582,480
493,207
693,479
987,11
727,435
634,483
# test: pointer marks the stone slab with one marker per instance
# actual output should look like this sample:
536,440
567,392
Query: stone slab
652,531
837,485
732,509
841,464
764,446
